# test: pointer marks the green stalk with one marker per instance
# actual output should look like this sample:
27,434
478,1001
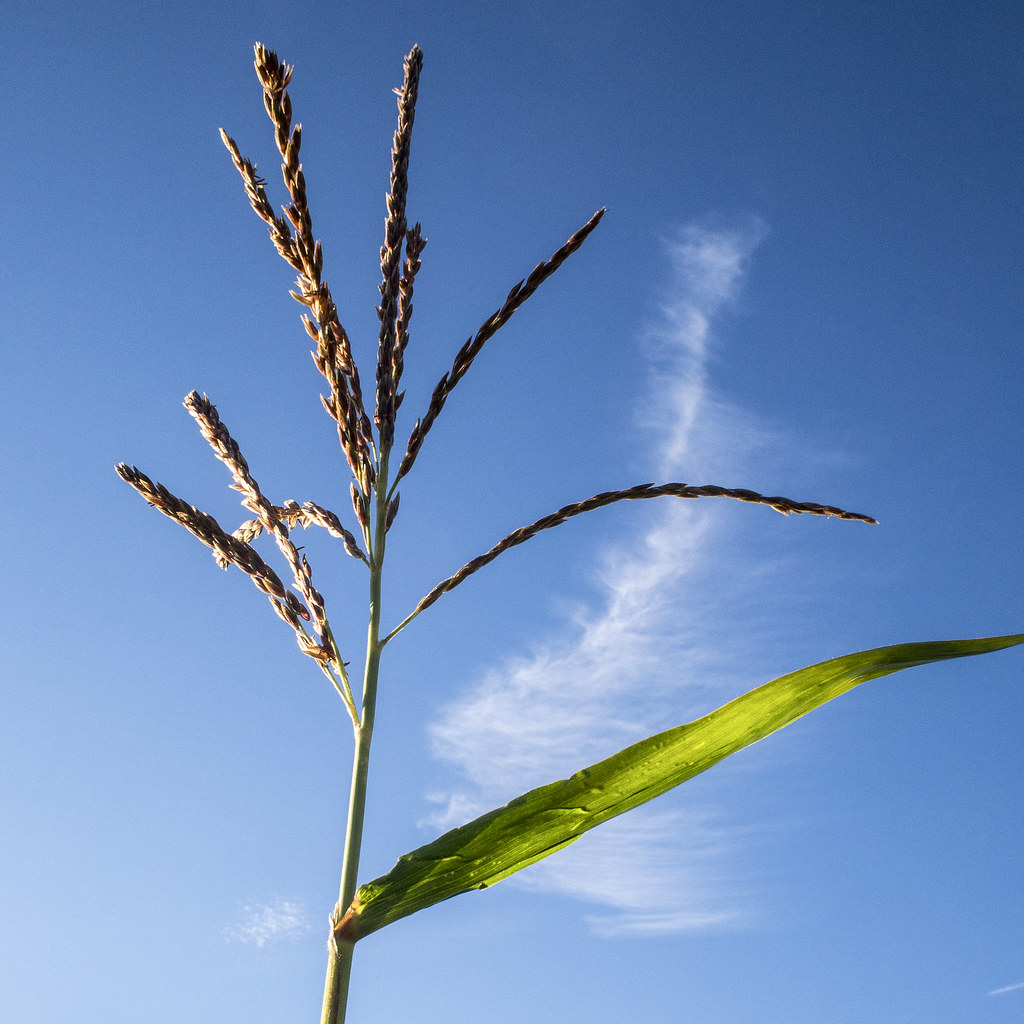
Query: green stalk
339,962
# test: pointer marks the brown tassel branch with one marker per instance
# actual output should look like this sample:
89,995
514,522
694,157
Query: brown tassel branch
638,492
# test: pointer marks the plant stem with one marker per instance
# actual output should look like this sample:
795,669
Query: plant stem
339,961
339,964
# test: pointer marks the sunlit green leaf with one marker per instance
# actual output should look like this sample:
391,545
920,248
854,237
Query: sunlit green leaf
545,820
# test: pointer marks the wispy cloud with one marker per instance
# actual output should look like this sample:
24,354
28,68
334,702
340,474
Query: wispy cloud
648,880
538,718
1007,988
707,268
264,923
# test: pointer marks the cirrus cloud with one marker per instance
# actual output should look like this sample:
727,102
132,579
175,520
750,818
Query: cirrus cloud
574,700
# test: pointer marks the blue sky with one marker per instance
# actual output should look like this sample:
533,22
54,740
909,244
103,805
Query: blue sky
807,283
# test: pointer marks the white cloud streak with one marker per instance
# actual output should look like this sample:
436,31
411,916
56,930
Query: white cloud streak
1007,988
264,923
570,703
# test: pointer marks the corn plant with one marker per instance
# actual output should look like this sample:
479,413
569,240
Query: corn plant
545,820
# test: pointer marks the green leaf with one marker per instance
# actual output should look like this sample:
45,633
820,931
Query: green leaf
545,820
